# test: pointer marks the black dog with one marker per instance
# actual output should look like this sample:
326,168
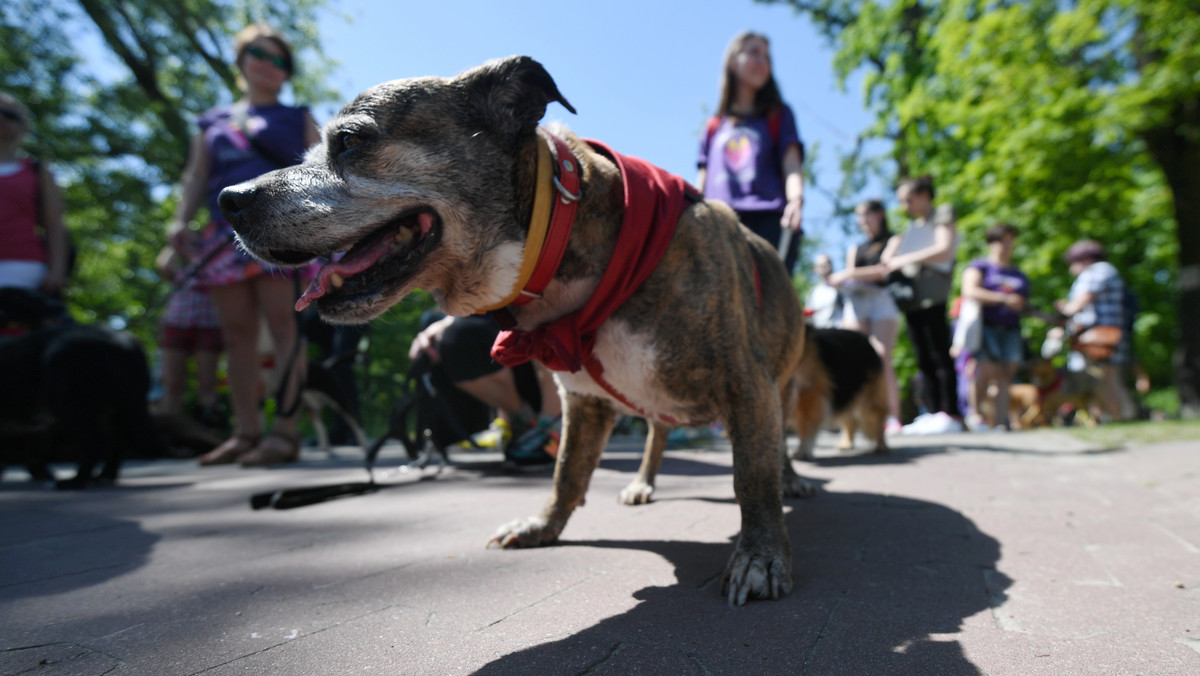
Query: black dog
67,386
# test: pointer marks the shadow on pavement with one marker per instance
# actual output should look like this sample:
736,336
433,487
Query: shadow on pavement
52,552
882,584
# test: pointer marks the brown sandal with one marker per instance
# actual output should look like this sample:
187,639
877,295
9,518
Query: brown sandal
276,448
230,450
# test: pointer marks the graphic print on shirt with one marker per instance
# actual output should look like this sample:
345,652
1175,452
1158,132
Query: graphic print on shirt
740,150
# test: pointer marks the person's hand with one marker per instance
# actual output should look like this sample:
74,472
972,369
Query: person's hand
875,273
183,240
1015,302
427,340
793,215
1059,305
838,278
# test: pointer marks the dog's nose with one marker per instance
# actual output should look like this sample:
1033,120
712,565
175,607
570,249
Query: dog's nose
235,200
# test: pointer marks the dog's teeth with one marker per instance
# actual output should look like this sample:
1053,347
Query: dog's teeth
404,236
336,280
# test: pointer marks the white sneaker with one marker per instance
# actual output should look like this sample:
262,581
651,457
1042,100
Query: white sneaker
918,425
943,424
933,423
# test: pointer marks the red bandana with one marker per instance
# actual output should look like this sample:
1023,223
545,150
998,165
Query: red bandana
654,200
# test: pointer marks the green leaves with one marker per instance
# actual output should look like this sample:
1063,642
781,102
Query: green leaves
1037,112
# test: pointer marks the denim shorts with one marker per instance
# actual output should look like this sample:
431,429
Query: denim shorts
1002,345
869,303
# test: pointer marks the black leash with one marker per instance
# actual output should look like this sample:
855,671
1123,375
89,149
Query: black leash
418,377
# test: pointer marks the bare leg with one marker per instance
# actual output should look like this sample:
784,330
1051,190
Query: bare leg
174,379
883,334
275,298
1004,378
239,325
497,389
986,373
206,377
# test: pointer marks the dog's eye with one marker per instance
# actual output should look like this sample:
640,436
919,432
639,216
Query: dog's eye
348,140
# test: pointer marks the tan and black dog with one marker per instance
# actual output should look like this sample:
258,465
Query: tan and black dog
436,184
841,378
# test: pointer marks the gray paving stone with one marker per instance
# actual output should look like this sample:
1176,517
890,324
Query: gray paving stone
994,554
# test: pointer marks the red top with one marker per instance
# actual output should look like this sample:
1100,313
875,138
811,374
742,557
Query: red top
654,200
19,210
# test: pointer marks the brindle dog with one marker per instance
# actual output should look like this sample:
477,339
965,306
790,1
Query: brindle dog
429,183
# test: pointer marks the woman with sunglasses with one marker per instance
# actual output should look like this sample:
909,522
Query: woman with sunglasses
236,143
29,201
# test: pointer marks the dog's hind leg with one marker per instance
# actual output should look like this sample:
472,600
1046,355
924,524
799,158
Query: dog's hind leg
639,490
587,424
849,426
806,421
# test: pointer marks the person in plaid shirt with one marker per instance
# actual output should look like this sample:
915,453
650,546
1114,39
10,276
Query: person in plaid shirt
1097,298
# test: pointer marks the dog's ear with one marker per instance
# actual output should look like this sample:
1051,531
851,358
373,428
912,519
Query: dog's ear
510,95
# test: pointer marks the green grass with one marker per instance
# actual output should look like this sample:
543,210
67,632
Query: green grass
1149,432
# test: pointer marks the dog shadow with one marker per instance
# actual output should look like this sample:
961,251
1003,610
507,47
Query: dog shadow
882,585
673,464
52,552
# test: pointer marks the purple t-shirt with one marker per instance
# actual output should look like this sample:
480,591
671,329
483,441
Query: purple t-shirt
743,162
1006,280
278,128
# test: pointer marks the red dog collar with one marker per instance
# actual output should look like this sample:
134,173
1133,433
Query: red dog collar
562,220
554,204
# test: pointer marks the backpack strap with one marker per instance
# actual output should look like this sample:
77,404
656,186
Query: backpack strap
239,116
774,123
711,128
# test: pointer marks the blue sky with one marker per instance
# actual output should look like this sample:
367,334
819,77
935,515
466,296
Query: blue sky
643,76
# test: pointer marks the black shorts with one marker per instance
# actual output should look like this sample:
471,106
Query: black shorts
466,350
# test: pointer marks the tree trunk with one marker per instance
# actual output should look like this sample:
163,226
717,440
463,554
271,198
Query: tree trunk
1178,153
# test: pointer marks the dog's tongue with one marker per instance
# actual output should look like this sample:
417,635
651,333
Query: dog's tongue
336,272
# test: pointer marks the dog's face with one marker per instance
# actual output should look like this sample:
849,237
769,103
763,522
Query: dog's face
420,183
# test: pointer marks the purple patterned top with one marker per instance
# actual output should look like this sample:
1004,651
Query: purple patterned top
743,162
278,128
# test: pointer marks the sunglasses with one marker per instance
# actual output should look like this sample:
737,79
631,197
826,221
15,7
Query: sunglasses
11,115
280,62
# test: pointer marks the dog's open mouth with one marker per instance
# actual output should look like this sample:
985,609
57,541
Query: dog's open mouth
389,254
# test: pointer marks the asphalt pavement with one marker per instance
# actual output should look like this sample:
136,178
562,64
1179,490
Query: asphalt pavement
1021,553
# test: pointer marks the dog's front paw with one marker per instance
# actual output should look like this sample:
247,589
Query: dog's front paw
763,574
532,531
638,492
796,486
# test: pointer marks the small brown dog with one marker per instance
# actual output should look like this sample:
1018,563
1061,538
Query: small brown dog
1057,387
684,318
1025,406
